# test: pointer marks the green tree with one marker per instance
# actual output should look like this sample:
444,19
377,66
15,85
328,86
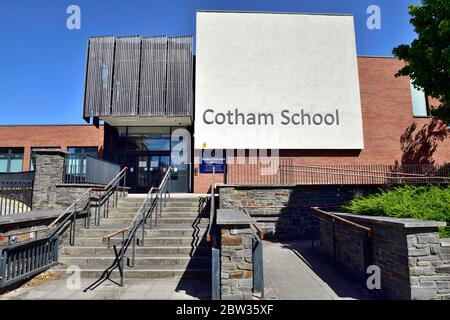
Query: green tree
427,58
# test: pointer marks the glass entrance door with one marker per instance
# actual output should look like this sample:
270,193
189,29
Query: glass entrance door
147,171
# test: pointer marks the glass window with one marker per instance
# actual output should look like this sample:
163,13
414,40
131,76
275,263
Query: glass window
149,138
92,151
11,159
419,102
4,156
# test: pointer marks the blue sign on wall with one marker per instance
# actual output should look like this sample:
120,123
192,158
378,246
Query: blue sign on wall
212,164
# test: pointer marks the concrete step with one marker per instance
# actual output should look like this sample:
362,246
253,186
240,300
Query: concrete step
190,220
149,241
196,204
95,272
140,250
127,205
186,219
195,199
166,260
131,215
163,229
135,208
180,209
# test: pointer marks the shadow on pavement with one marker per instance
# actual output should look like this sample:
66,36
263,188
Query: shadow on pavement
343,284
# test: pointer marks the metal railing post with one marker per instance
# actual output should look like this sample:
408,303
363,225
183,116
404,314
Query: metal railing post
2,268
56,250
160,203
170,178
156,209
215,276
133,252
258,267
117,200
97,212
334,240
88,217
107,208
124,182
122,254
74,222
143,225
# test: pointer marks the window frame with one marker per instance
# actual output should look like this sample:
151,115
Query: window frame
425,97
9,157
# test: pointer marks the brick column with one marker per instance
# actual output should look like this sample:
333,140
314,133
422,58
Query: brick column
48,172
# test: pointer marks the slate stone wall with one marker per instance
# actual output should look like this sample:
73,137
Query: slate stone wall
236,263
284,212
48,173
413,262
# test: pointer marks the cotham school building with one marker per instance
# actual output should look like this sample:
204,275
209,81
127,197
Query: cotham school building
284,86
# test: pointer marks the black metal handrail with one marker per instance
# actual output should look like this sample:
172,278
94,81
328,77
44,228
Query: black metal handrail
155,198
22,260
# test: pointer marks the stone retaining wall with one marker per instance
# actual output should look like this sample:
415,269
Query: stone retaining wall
413,263
284,212
49,191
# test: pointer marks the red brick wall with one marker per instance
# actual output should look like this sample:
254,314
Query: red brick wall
203,181
63,136
387,114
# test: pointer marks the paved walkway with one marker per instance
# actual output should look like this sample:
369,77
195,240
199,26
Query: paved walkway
294,271
133,289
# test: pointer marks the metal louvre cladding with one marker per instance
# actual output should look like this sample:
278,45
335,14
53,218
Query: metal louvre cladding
139,76
126,76
179,74
152,93
99,76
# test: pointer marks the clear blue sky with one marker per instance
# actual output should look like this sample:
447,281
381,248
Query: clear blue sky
42,63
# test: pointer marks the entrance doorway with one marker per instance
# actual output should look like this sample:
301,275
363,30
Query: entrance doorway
146,151
147,170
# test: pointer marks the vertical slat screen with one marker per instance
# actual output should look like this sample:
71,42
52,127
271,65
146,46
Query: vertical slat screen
179,76
152,95
99,76
126,76
139,76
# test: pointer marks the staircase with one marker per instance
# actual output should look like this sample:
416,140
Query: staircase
176,247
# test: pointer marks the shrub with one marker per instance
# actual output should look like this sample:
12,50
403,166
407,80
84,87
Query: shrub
419,202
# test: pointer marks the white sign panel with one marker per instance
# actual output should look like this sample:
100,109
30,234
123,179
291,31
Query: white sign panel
276,81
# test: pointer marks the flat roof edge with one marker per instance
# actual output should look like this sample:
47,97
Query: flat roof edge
375,56
281,12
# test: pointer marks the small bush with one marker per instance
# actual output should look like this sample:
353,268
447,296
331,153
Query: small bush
419,202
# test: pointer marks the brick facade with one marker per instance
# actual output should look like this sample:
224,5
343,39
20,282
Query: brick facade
42,136
391,132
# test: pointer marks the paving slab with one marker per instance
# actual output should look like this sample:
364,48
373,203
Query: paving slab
133,289
294,270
